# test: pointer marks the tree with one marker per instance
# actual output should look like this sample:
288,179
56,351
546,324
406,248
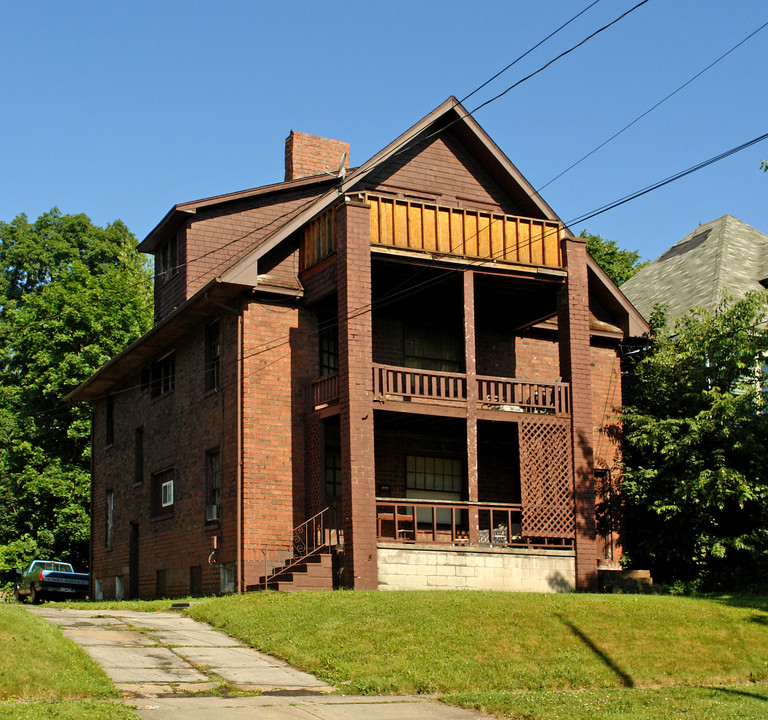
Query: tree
695,482
764,165
620,265
72,294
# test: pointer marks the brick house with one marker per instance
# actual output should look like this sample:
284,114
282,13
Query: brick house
399,370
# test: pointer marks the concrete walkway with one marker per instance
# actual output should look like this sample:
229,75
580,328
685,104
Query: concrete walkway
174,668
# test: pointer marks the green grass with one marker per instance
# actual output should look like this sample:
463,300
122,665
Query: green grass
672,703
526,657
444,642
44,675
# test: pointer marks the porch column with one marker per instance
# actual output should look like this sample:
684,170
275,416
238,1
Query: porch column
358,487
471,372
576,368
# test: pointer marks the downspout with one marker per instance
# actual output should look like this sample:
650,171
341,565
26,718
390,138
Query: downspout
239,451
91,581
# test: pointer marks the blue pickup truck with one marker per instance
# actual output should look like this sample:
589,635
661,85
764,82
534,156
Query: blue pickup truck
50,580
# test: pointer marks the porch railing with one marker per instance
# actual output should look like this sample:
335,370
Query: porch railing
424,384
318,533
448,523
525,395
324,391
492,392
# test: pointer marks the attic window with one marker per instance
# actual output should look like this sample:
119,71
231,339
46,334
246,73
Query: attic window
163,376
167,260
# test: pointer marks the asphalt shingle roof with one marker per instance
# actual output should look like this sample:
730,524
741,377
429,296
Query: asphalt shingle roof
724,256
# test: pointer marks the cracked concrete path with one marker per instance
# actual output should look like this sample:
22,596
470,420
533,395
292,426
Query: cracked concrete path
169,667
161,653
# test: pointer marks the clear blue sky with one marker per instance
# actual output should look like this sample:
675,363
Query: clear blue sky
121,110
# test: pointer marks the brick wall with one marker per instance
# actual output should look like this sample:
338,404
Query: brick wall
178,429
279,361
353,263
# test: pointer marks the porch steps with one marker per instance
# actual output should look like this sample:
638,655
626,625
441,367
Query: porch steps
314,572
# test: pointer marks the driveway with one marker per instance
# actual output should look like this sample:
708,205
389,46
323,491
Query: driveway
174,668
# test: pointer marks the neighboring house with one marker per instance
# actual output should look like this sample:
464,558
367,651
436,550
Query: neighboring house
725,256
405,367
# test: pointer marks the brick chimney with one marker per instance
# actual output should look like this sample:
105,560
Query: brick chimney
311,155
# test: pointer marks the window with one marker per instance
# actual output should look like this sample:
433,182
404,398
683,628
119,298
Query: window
109,524
167,261
212,485
138,456
166,493
328,330
433,478
163,375
332,460
162,493
213,357
332,472
432,348
436,474
109,433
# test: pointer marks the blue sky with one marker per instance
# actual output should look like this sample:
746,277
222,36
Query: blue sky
121,110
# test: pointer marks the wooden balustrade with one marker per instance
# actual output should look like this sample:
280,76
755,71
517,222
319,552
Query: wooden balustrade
448,523
324,390
390,382
425,384
493,392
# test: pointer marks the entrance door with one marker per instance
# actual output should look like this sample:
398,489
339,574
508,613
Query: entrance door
133,562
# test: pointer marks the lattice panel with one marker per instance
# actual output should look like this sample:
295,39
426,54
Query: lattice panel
546,480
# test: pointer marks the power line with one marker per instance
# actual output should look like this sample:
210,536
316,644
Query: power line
560,56
650,109
668,180
528,52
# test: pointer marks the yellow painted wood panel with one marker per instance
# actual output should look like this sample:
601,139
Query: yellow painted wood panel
425,227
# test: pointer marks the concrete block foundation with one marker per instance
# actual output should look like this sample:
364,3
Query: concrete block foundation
426,567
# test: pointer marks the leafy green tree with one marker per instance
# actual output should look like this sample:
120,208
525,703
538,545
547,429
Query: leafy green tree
620,265
695,484
764,165
72,294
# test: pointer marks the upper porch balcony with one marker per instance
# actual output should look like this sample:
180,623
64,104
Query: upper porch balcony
448,233
393,385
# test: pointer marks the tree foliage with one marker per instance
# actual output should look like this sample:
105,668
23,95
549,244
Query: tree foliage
695,485
72,294
620,265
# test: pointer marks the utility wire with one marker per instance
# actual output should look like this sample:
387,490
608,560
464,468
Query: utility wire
668,180
560,56
651,109
528,52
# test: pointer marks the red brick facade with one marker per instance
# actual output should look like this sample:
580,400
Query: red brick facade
282,451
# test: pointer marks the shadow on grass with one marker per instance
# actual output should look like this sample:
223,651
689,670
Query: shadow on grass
625,679
744,693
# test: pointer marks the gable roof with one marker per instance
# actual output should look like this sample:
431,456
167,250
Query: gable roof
449,114
722,256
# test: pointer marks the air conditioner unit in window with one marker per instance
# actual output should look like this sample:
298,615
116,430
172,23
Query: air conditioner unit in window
211,512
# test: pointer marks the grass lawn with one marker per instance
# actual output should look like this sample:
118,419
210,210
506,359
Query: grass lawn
519,655
44,675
